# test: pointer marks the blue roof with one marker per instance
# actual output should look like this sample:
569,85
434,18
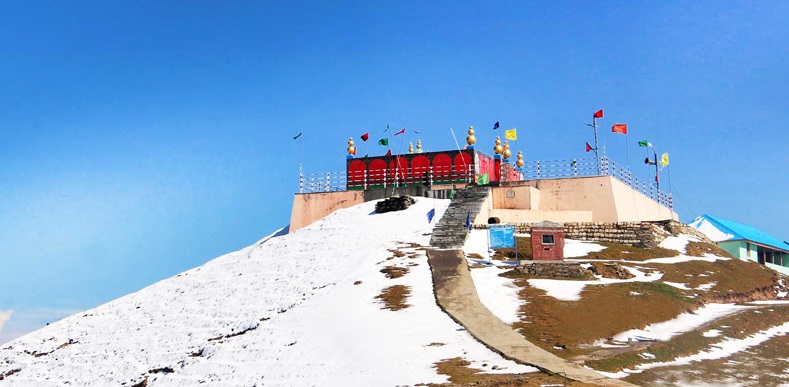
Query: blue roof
746,232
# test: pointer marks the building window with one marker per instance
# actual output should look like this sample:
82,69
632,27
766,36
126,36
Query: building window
748,249
547,239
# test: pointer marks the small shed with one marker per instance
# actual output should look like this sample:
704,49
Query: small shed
547,241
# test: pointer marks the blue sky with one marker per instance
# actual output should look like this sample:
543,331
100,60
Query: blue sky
141,139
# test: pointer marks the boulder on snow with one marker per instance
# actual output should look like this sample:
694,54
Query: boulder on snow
395,203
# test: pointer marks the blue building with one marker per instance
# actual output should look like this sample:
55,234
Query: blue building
745,242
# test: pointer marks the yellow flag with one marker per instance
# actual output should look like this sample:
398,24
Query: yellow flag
511,134
664,160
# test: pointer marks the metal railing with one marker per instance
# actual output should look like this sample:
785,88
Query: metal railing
532,170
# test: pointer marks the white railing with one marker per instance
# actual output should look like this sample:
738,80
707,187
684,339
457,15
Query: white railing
532,170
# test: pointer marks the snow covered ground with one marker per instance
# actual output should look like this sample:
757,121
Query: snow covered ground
685,322
570,290
284,311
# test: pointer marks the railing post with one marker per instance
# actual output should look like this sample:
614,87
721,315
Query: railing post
365,179
301,182
538,169
430,175
327,188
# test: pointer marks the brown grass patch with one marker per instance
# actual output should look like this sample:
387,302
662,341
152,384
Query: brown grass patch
357,282
629,253
736,326
460,373
602,311
394,297
435,344
392,272
698,249
731,276
397,253
524,250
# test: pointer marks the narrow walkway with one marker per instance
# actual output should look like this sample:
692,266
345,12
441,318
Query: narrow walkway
457,296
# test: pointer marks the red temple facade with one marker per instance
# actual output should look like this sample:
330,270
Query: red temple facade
429,168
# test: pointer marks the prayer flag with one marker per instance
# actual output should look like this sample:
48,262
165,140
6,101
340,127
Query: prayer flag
387,128
452,194
511,134
430,215
365,136
400,132
383,141
598,114
297,136
574,163
483,179
496,125
389,152
619,128
644,143
664,160
468,221
588,147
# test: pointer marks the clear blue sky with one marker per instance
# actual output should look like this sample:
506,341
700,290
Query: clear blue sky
141,139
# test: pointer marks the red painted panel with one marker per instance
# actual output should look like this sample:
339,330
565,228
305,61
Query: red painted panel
420,166
462,163
356,171
399,166
377,171
442,166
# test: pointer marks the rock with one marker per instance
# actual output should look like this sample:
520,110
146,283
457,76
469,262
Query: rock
396,203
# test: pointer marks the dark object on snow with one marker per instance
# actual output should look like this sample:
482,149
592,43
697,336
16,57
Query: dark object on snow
397,203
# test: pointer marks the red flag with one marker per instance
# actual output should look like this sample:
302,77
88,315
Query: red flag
619,128
588,147
354,150
598,114
365,136
400,132
389,152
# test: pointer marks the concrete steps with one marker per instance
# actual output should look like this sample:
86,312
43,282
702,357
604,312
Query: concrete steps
451,231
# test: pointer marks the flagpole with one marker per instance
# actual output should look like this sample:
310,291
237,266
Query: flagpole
596,153
465,168
627,148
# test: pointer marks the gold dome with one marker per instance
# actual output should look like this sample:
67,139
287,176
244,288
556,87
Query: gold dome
497,149
351,148
471,140
519,163
506,152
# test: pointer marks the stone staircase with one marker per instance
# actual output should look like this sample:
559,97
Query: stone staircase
451,231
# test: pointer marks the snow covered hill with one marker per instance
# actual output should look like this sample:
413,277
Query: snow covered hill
296,309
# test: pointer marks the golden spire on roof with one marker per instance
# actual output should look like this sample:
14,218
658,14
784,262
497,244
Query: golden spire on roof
497,149
351,147
471,140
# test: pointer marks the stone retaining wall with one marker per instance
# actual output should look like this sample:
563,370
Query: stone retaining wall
638,234
551,269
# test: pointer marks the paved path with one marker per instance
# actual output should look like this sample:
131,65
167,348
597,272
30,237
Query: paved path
457,296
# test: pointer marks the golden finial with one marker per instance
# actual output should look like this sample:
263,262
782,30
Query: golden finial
351,148
506,152
497,149
471,140
419,146
519,163
410,147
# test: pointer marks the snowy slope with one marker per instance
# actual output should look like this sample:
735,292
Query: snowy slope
293,298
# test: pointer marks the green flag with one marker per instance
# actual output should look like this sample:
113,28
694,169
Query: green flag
297,136
574,163
452,194
483,179
383,141
387,128
644,143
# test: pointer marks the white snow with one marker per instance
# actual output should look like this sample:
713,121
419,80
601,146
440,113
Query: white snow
685,322
477,243
706,286
569,290
498,294
284,311
770,302
574,248
677,242
712,333
677,285
708,229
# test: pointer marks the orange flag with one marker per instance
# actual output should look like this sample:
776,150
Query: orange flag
619,128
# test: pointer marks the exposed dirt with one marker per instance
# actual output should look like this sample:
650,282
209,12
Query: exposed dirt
392,272
629,253
698,249
394,297
524,250
610,270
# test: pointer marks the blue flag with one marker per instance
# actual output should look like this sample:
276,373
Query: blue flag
430,215
496,125
468,221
